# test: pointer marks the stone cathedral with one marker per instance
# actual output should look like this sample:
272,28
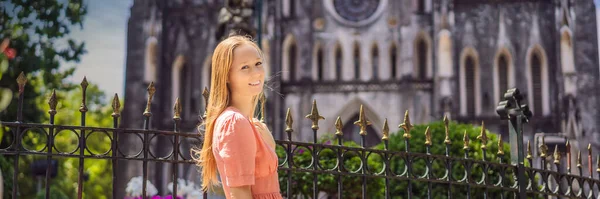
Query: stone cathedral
430,57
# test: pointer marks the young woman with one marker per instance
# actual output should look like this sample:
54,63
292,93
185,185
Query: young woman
236,145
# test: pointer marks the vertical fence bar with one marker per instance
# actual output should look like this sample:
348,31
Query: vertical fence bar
516,113
50,142
467,163
543,154
290,159
407,126
147,114
315,117
385,138
21,80
362,123
529,158
339,135
82,145
177,122
500,155
448,142
484,139
429,166
116,105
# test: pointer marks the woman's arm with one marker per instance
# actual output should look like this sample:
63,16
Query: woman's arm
243,192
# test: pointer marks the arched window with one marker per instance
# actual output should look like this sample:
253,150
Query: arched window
356,56
502,74
470,84
338,63
422,59
394,60
320,64
536,80
375,61
292,61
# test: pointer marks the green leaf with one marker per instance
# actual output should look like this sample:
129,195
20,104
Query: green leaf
3,67
5,98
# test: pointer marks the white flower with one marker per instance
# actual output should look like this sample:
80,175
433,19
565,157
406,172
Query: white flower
185,188
135,185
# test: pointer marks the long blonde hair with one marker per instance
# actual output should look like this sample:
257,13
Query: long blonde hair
219,99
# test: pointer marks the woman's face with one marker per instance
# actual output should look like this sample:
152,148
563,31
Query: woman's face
246,75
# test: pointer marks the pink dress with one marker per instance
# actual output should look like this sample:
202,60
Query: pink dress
243,157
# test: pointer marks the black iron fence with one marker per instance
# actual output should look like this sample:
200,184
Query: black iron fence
483,176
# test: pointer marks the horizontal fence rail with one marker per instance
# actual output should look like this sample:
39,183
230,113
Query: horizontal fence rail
357,171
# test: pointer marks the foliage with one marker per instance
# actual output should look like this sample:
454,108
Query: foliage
376,187
303,181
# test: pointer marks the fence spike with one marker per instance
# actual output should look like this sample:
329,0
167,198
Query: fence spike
579,159
314,116
466,141
338,126
556,155
52,102
386,130
529,155
84,84
263,100
289,121
500,145
362,121
205,94
407,126
116,106
427,137
177,110
21,80
483,136
446,129
151,89
590,160
598,163
543,149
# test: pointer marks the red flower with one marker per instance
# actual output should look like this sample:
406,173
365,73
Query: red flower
10,53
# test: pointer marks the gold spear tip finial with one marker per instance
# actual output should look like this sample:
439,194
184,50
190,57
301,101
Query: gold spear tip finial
567,144
466,141
598,163
447,130
338,126
362,121
579,159
529,155
483,136
407,126
427,136
21,80
556,155
52,102
116,105
500,146
151,89
543,148
386,130
314,116
288,121
177,109
589,148
84,83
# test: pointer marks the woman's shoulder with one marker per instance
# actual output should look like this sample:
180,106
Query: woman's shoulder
229,115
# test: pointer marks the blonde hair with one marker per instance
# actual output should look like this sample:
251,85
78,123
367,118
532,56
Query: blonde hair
219,99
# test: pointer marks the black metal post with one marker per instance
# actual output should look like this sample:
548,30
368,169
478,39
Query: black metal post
510,108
